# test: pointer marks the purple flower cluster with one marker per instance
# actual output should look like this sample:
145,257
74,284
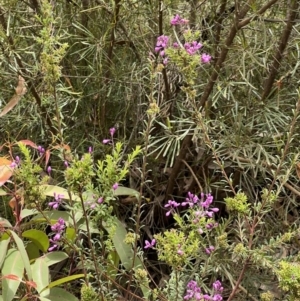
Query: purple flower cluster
57,228
177,20
161,45
193,47
15,163
194,292
57,200
92,205
41,150
171,205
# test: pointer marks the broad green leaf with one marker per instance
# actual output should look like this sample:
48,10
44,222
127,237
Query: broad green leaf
1,298
125,251
3,192
40,274
59,294
49,190
3,249
53,216
126,191
63,280
39,238
23,253
112,269
55,257
32,251
42,299
13,265
5,223
28,212
70,234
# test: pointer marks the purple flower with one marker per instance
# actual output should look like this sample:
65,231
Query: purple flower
193,291
105,141
90,149
175,45
209,250
180,252
217,286
177,20
57,228
112,131
57,200
149,244
41,150
165,61
13,164
100,200
66,164
115,186
49,169
192,47
205,58
172,205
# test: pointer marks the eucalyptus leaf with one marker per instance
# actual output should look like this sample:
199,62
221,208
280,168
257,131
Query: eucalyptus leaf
13,265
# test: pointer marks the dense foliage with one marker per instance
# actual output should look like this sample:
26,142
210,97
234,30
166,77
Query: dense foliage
149,150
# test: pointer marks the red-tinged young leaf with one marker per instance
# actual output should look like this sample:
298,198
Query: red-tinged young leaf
12,277
28,143
47,156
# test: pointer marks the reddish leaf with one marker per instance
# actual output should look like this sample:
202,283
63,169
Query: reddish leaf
20,91
11,277
31,283
47,156
5,170
28,143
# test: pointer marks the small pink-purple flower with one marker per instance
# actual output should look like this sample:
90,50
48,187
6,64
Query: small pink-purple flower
177,20
205,58
149,244
171,205
192,47
115,186
49,169
57,200
112,131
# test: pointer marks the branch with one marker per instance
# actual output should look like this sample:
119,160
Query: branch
283,42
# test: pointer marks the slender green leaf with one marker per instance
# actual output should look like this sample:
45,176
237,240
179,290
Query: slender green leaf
63,280
40,274
13,265
3,249
23,253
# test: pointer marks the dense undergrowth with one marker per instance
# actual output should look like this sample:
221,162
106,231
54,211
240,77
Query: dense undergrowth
149,150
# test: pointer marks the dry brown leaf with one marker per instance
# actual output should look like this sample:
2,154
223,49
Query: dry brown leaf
298,169
20,91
